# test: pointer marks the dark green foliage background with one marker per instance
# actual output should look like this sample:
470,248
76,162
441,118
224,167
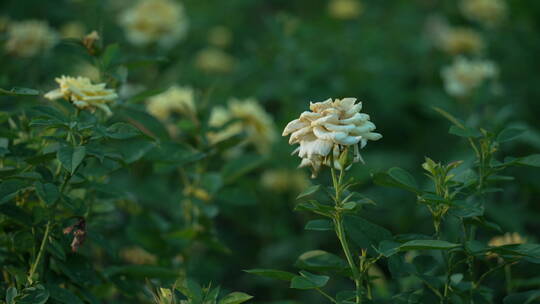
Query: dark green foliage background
384,58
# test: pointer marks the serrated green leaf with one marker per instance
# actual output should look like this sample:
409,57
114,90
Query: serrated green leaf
397,178
309,191
320,225
11,293
122,130
19,92
235,298
509,134
240,166
9,189
308,280
47,192
63,295
365,234
109,55
464,132
71,157
33,295
526,297
320,260
531,160
428,244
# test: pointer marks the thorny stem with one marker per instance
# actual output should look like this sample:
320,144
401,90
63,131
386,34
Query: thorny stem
340,231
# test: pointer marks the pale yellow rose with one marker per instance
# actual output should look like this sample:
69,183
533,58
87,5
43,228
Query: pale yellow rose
464,75
176,99
330,127
214,60
29,38
460,40
505,239
249,117
83,94
487,12
344,9
155,21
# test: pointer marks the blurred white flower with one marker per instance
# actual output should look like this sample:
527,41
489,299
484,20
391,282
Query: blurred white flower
330,127
137,255
155,21
83,94
487,12
344,9
4,23
29,38
283,180
464,75
243,116
87,70
214,60
73,30
175,99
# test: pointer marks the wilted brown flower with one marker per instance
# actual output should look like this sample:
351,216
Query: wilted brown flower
78,230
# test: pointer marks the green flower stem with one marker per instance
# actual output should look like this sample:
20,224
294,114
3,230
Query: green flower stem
326,295
340,232
45,239
508,278
40,252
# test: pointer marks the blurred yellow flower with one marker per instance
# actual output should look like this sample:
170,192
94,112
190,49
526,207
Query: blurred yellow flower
138,256
460,40
344,9
330,127
155,21
249,117
464,75
175,99
214,60
29,38
487,12
74,30
87,70
83,94
4,22
505,239
283,180
220,36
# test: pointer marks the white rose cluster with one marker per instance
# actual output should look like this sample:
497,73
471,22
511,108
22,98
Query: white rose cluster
330,127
